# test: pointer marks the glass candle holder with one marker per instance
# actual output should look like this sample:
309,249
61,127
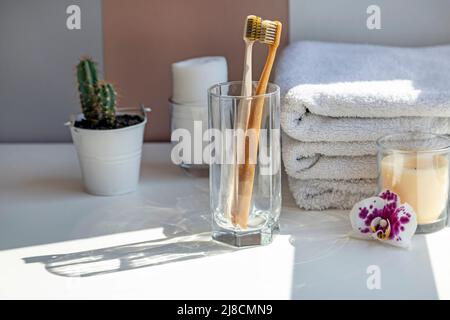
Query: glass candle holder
189,120
245,175
415,165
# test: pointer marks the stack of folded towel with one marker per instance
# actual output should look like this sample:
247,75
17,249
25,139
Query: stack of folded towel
338,99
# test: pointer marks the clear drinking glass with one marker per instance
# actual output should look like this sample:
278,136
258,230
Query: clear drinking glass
415,165
245,175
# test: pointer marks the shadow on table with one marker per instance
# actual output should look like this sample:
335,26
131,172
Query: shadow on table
131,256
187,235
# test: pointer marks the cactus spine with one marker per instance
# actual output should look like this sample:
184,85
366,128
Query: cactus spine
98,98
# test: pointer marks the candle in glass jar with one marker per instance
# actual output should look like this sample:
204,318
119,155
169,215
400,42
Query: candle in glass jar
419,179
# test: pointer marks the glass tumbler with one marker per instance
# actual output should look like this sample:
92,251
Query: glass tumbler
245,175
415,165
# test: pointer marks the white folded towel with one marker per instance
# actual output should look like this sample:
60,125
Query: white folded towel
310,127
299,149
360,80
311,160
323,167
326,194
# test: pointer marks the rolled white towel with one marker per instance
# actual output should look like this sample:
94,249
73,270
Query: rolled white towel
299,149
342,161
360,80
310,127
327,194
323,167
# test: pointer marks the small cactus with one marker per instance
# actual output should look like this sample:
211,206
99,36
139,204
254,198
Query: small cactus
98,98
106,96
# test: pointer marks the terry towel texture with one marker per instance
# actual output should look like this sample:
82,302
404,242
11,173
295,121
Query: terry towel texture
310,127
334,163
301,149
357,80
337,99
324,194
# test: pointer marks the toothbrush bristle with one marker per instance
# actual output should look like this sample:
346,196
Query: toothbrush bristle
268,32
253,28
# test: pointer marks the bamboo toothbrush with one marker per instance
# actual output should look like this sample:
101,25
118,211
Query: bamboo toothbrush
270,35
252,32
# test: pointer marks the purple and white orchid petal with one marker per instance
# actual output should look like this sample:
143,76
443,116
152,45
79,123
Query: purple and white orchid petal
359,215
404,225
390,197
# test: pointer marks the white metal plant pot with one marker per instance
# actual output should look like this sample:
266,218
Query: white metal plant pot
109,159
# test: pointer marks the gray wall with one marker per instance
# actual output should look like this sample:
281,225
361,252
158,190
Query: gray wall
38,55
403,22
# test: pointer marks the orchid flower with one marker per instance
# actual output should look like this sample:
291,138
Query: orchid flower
385,219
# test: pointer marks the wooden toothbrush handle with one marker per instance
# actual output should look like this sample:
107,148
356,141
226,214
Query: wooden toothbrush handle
247,170
241,120
247,85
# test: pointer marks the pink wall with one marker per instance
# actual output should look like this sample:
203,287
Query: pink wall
142,38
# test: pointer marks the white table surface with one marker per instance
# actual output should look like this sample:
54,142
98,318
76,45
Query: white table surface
58,242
